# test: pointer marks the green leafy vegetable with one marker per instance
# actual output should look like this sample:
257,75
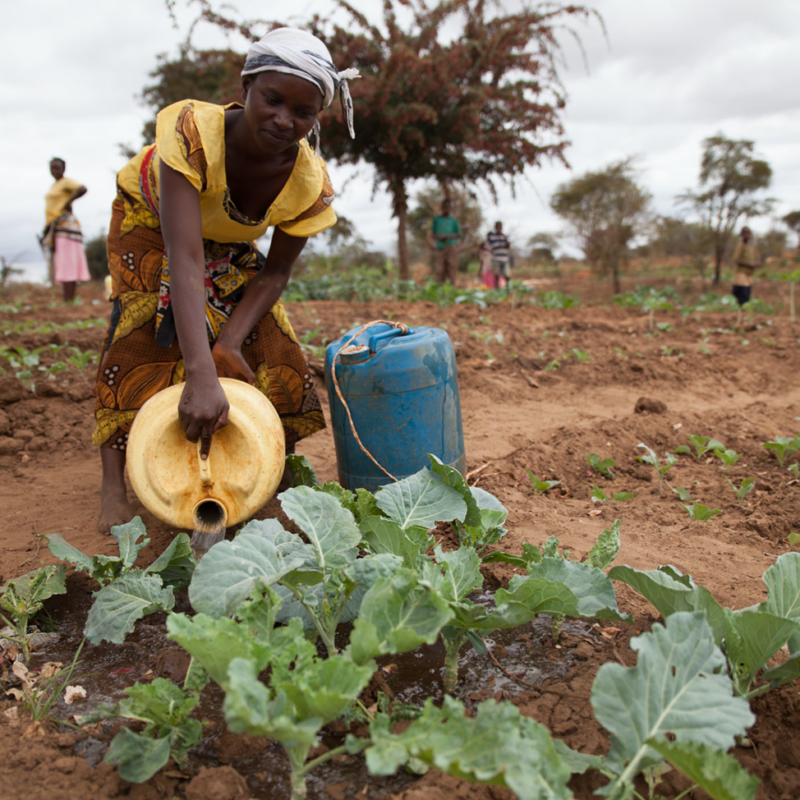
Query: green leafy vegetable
164,708
669,592
303,474
122,602
600,466
661,466
421,499
22,598
231,571
720,775
599,496
684,495
728,457
304,694
128,593
606,548
699,512
381,535
540,486
138,757
747,486
497,746
689,698
397,615
703,445
752,638
216,642
782,447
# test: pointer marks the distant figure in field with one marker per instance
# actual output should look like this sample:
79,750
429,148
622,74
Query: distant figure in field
62,239
747,260
501,255
485,262
446,233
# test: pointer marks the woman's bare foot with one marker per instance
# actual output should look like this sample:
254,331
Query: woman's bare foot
114,506
114,510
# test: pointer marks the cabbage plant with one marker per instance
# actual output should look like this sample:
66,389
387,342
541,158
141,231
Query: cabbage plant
128,593
749,637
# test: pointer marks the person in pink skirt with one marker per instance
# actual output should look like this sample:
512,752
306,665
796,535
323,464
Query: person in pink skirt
485,261
62,240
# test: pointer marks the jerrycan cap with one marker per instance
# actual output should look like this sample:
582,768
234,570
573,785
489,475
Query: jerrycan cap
358,351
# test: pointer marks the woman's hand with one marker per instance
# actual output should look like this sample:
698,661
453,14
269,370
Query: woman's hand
230,363
203,410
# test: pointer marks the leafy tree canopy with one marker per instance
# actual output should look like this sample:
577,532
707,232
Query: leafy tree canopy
729,185
604,210
457,92
792,221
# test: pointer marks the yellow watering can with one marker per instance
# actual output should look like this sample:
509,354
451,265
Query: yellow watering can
241,473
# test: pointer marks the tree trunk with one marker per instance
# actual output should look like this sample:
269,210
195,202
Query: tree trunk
615,276
402,244
400,209
719,251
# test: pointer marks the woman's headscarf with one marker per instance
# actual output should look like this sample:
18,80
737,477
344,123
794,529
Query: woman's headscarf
297,52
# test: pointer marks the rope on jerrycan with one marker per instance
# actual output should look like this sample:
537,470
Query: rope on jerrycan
404,329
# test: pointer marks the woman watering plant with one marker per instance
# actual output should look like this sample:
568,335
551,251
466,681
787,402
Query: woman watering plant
194,299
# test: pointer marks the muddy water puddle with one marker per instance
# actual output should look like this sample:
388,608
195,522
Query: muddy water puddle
105,670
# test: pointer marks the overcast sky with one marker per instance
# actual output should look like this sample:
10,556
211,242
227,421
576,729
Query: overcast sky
669,74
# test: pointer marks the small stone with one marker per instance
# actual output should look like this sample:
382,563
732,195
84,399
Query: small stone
217,783
648,405
39,443
24,434
337,791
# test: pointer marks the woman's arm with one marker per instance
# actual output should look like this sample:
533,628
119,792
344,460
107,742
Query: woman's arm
261,294
79,192
203,408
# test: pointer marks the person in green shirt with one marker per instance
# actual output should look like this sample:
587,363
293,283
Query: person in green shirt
446,233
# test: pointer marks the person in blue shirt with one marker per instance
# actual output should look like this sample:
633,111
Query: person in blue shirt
446,233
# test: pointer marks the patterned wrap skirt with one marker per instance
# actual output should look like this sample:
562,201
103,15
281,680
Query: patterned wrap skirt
141,353
63,247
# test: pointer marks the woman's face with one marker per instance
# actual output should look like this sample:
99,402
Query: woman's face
280,109
57,170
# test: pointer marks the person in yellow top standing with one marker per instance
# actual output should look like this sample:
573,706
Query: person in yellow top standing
193,298
62,240
747,260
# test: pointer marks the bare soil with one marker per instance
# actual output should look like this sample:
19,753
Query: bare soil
698,377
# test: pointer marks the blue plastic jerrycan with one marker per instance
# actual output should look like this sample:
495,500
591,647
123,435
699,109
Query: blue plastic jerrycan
402,391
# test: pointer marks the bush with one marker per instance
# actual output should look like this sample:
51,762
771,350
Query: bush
97,257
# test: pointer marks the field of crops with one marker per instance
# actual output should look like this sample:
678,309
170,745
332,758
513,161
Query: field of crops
507,635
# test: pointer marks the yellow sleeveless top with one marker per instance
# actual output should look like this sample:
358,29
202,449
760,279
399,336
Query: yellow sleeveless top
190,138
